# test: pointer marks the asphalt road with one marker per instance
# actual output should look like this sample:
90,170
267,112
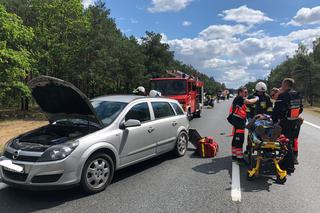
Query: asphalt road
190,184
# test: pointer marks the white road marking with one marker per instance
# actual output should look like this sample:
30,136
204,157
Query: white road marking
235,186
311,124
2,186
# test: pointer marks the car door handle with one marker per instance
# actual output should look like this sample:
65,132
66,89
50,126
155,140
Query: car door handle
174,123
150,129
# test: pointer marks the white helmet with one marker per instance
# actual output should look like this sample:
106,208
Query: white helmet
140,89
261,87
154,93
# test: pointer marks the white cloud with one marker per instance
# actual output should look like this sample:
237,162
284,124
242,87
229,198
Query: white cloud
246,15
218,63
164,38
236,58
133,21
222,31
306,16
168,5
186,23
87,3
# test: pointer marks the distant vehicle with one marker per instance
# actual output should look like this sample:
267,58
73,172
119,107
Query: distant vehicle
86,141
186,89
231,95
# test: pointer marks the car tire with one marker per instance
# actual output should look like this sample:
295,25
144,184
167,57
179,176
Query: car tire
181,144
97,173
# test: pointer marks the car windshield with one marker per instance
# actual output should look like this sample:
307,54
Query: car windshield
170,87
74,122
107,111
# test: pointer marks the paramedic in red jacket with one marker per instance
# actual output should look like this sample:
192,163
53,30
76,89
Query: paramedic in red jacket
238,108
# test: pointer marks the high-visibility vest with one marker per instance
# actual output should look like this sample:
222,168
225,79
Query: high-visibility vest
294,106
238,111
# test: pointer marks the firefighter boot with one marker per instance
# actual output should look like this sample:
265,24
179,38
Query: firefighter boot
295,158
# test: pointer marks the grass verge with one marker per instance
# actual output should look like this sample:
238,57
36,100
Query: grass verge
1,148
315,110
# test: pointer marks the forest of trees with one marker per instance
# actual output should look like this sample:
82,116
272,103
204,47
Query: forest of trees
83,46
304,67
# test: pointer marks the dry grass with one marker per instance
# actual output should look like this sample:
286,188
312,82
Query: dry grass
10,129
315,110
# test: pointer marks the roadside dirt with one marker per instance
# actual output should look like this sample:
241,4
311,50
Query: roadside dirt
313,110
10,129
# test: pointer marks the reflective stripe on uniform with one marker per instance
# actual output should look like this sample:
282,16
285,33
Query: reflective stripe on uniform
234,152
240,131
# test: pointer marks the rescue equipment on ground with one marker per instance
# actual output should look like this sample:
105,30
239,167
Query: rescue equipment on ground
206,147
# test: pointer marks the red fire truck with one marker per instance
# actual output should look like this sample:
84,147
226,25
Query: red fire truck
186,89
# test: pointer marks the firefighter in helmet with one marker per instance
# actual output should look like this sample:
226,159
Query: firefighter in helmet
264,105
286,111
140,90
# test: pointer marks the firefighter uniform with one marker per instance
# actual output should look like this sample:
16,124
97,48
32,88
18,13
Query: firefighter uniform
263,106
287,109
238,109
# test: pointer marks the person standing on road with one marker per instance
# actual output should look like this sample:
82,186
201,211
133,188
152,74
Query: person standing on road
218,96
275,92
263,106
287,109
237,118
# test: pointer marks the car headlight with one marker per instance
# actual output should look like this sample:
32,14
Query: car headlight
58,152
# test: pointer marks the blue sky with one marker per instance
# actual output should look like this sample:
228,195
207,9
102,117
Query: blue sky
234,41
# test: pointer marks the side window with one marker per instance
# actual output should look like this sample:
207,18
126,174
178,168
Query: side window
162,109
139,112
177,108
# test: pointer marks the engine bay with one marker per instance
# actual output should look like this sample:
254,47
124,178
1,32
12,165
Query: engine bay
52,134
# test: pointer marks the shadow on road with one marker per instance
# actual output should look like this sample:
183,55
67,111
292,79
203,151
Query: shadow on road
217,165
262,182
17,200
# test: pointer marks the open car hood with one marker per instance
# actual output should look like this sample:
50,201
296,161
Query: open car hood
60,99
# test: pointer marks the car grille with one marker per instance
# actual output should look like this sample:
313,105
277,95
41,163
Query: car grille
14,175
46,178
21,157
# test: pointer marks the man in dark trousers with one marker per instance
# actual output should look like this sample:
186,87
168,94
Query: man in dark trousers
238,110
264,105
286,111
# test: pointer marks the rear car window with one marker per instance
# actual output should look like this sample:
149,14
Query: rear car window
139,112
162,109
177,108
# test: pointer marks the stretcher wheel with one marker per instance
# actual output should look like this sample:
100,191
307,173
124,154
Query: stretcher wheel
250,178
281,181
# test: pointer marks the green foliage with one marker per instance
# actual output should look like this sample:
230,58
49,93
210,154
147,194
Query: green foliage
304,67
15,56
84,46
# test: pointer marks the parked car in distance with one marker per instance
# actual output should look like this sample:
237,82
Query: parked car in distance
86,141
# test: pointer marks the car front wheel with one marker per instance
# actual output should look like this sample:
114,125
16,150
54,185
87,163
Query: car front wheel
97,173
181,145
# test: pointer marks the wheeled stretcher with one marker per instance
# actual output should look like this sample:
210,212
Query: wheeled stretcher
266,150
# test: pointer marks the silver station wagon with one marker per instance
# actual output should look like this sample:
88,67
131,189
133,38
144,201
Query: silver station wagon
86,141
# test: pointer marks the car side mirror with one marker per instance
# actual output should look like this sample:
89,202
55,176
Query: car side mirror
130,123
